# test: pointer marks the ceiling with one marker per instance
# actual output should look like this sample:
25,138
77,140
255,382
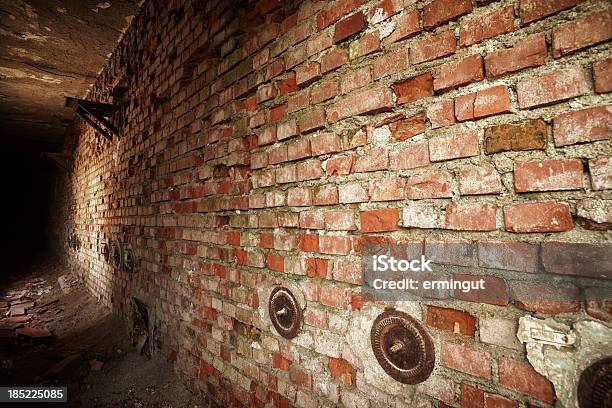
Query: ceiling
50,49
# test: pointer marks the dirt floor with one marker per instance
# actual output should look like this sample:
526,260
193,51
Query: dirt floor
63,337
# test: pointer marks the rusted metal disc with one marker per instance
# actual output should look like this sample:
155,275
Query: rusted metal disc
116,254
402,347
105,249
285,312
595,385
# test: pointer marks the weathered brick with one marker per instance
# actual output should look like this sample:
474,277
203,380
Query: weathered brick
352,193
526,53
349,26
490,25
299,197
324,143
508,255
326,195
307,73
499,332
601,173
383,10
406,26
414,89
410,157
581,259
341,220
523,378
434,47
373,160
453,146
496,292
552,87
312,120
459,73
387,189
544,297
439,12
362,103
528,135
435,185
380,220
449,252
405,129
366,44
324,91
483,103
441,114
342,370
533,10
338,166
602,75
355,79
285,130
421,215
586,125
476,180
392,62
585,32
335,245
471,216
336,11
451,320
466,359
548,175
538,217
333,60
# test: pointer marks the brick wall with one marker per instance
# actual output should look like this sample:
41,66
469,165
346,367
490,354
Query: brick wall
266,142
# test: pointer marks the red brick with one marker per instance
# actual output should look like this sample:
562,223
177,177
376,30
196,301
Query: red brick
324,91
349,26
414,89
406,26
523,378
586,125
410,157
380,220
309,170
352,193
434,47
526,53
309,242
335,297
287,85
319,43
459,73
373,160
266,92
312,220
387,189
288,129
335,245
354,79
496,401
508,255
366,102
275,262
580,259
324,143
341,220
471,216
339,166
466,359
548,175
277,154
453,146
383,10
336,11
342,370
602,75
544,297
585,32
307,73
599,303
266,136
300,377
490,25
441,114
286,174
538,217
277,113
476,180
259,160
451,320
439,12
496,292
299,197
298,101
312,120
435,185
601,173
333,60
405,129
449,252
366,44
552,87
278,361
482,103
391,63
317,268
533,10
528,135
421,215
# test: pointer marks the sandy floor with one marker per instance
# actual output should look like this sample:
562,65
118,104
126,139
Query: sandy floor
87,336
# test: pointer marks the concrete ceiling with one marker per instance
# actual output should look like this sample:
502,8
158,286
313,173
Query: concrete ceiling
50,49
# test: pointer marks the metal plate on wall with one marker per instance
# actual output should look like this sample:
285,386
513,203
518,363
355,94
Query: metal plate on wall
105,250
402,347
285,312
595,385
129,259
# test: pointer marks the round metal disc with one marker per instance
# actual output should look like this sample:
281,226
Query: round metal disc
402,347
595,385
285,312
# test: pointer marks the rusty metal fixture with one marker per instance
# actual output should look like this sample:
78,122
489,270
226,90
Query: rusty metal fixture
595,385
285,312
116,254
105,249
402,347
129,259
